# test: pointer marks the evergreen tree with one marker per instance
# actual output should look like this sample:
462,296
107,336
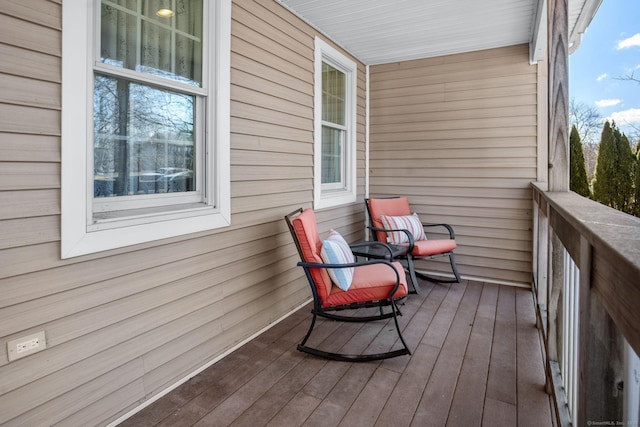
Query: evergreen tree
578,173
625,172
636,181
613,184
603,181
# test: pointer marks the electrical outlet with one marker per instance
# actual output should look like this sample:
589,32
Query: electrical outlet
32,344
25,346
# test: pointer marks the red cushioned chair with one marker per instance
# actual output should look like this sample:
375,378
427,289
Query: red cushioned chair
395,207
376,283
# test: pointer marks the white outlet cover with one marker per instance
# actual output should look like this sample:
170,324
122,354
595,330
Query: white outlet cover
24,346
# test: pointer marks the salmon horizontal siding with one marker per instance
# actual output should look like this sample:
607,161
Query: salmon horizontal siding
448,172
458,136
33,203
291,106
247,189
43,13
276,92
35,65
29,176
270,144
123,325
29,35
29,231
106,277
15,147
29,120
27,91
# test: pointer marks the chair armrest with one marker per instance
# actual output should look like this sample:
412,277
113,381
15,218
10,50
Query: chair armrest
452,235
306,264
405,231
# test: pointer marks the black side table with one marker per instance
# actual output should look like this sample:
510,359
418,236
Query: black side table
377,250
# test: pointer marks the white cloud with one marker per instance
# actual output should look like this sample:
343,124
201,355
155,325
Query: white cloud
630,42
627,116
607,102
602,76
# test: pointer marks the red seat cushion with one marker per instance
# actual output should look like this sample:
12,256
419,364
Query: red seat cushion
370,283
433,247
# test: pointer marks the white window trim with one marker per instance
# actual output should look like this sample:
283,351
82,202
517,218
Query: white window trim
332,197
77,238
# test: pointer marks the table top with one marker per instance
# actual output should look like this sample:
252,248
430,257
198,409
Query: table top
377,251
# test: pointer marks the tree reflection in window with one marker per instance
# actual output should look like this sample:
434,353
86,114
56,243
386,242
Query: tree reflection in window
143,139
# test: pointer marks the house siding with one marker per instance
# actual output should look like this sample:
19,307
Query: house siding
123,325
458,135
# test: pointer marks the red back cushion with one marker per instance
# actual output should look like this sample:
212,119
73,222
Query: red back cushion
398,206
307,233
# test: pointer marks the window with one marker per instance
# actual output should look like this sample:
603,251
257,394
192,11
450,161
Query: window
145,121
335,123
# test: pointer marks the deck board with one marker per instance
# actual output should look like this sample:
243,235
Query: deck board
501,385
530,375
476,360
468,401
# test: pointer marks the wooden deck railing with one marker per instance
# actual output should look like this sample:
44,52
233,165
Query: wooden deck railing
586,269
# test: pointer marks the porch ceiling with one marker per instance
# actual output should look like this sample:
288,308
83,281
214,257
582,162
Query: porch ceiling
382,31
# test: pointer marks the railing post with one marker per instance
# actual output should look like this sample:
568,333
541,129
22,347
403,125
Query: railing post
584,307
555,266
540,257
631,402
543,242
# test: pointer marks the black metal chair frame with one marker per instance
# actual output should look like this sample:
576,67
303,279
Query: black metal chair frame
409,258
329,312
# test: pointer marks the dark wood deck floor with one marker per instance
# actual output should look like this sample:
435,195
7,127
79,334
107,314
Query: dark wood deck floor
477,360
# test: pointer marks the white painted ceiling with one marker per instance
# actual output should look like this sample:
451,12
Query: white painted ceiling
382,31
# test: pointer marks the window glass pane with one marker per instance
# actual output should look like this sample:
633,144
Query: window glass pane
333,94
118,37
134,36
144,139
331,155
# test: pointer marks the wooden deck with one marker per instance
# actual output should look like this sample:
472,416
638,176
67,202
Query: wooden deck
477,360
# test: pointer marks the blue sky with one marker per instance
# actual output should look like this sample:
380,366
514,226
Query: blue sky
610,50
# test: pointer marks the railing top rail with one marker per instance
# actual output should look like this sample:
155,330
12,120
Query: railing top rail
614,237
600,224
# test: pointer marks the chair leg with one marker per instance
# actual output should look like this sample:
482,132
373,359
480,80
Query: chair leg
454,269
395,320
412,274
313,323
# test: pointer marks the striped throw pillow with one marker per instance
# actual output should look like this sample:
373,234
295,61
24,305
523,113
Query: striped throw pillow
408,222
335,250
